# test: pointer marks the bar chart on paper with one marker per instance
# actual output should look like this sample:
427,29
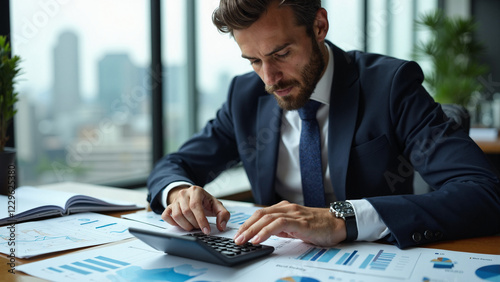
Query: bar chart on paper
130,261
239,218
105,268
87,266
360,260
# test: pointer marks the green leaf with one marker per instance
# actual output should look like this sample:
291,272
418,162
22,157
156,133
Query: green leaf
453,53
9,70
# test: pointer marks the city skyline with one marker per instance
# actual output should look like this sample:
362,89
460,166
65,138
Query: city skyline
98,140
65,139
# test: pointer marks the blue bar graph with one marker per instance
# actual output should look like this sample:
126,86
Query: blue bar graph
74,269
97,264
379,261
54,269
343,258
351,258
89,222
88,266
239,218
113,260
382,260
100,263
309,254
317,254
329,255
367,261
102,226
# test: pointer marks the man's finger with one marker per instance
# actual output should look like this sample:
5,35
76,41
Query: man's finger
264,219
196,206
244,227
222,215
180,218
257,215
278,225
167,217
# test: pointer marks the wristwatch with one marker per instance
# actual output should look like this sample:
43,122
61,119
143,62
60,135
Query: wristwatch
344,210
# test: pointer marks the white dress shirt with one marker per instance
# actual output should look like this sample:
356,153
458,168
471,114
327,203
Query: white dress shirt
288,179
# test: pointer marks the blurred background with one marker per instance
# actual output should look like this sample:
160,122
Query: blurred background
85,93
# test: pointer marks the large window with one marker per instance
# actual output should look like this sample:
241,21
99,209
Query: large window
386,27
219,60
391,26
84,90
175,74
346,23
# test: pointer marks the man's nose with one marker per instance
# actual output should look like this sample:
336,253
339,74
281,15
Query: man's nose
271,74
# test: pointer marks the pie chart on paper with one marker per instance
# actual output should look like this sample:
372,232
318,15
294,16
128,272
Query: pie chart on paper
489,273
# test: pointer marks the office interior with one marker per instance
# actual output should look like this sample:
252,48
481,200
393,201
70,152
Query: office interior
108,87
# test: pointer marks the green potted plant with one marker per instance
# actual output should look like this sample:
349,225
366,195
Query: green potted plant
9,69
453,53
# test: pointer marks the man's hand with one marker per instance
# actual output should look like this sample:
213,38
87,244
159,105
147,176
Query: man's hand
189,207
312,225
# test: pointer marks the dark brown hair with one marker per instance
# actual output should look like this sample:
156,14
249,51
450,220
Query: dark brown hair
240,14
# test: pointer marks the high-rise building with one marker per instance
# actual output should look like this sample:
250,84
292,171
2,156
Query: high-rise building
118,77
66,74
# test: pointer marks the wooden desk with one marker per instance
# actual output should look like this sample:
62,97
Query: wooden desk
489,147
483,245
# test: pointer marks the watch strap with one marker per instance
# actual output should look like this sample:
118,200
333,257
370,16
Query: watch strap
351,229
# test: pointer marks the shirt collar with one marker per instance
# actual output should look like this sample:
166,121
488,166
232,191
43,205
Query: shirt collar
323,88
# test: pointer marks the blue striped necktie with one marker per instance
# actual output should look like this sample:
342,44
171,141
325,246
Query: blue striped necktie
310,156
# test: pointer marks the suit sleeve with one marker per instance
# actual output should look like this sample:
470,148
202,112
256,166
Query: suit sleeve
200,160
465,201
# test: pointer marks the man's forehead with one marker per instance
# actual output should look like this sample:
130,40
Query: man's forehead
268,42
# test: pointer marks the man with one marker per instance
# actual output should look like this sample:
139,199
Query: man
376,124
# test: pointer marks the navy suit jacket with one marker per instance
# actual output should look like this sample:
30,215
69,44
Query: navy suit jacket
382,125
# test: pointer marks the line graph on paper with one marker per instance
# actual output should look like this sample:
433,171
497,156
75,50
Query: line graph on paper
35,239
64,233
36,235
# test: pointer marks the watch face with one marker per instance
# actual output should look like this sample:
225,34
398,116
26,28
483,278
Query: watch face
342,209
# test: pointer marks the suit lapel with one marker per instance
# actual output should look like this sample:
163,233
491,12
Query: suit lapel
344,103
268,134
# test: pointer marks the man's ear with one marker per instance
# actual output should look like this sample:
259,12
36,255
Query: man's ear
321,25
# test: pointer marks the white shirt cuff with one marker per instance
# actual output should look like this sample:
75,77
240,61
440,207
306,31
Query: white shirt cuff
370,225
166,190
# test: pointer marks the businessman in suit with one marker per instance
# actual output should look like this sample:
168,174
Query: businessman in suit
376,124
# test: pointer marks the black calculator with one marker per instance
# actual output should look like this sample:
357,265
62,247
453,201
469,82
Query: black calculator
198,246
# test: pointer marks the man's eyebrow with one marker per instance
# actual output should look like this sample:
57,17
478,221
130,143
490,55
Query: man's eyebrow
275,50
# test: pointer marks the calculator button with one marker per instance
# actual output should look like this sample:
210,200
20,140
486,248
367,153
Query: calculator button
226,246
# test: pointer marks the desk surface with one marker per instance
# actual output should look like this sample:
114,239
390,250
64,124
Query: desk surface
489,146
484,245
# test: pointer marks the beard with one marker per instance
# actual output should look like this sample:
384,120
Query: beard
310,75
